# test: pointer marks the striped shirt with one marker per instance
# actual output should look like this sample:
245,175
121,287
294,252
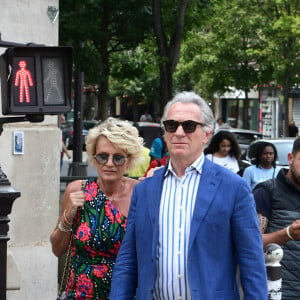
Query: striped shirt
175,215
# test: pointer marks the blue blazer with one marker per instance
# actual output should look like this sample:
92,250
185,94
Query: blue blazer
224,233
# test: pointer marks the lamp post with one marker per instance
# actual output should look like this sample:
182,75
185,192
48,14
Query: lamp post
7,196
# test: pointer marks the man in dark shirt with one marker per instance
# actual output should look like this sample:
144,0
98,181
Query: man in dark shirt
278,207
293,129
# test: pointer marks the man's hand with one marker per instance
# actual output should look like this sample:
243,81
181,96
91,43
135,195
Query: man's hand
295,230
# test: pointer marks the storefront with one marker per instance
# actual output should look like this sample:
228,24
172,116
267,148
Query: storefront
264,110
232,107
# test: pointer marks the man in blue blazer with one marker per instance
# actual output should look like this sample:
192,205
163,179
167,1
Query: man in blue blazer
192,224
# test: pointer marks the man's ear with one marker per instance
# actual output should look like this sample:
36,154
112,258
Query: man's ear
207,136
290,158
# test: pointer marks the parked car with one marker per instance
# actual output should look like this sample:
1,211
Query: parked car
244,136
283,147
149,131
68,133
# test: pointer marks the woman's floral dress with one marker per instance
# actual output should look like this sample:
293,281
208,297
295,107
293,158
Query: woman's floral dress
99,230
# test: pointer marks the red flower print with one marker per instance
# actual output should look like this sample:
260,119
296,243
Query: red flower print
112,213
109,212
88,197
115,248
91,252
101,271
71,280
118,217
124,224
84,288
91,191
83,232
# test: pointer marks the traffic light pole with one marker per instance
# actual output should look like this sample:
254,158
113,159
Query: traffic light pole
77,167
7,197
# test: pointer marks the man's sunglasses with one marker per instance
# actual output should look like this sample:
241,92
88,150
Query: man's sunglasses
117,159
188,126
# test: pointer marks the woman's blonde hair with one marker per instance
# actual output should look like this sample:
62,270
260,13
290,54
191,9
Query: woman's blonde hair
122,135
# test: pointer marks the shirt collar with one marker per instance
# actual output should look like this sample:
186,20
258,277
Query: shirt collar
196,165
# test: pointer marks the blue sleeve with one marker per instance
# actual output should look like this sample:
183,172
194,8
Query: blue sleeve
248,239
263,201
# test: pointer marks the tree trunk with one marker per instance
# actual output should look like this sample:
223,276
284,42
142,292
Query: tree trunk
103,98
165,87
286,88
168,52
246,111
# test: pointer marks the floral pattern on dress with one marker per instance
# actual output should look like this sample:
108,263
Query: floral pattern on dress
98,233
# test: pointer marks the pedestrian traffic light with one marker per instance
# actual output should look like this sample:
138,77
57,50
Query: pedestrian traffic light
38,80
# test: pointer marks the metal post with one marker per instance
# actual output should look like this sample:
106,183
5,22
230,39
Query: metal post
273,256
7,197
77,167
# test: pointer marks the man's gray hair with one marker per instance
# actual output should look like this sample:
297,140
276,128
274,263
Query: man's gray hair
206,116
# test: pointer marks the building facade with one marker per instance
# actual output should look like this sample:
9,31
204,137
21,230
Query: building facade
34,171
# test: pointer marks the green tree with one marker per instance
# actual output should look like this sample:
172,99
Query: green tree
134,73
98,28
168,20
227,53
282,34
244,43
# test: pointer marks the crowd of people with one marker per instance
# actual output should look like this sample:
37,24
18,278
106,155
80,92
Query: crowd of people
189,227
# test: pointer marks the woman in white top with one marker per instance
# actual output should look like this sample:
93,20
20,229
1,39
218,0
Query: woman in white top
264,165
224,150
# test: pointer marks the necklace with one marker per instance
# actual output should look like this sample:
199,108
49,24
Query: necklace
114,196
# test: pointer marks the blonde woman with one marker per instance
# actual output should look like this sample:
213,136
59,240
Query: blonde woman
97,209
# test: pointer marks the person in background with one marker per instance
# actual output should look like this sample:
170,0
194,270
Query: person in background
142,167
224,150
95,218
158,154
62,119
191,223
220,124
146,117
264,165
277,205
293,129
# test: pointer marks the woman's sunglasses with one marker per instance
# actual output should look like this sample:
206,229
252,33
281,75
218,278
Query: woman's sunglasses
188,126
117,159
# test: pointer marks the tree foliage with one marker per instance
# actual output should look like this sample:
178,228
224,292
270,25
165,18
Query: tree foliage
134,73
242,45
98,28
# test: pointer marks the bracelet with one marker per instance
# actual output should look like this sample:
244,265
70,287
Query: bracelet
62,227
289,234
66,219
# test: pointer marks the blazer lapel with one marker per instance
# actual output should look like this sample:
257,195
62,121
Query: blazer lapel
154,191
153,195
206,191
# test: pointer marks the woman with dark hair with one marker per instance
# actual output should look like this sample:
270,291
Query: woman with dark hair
264,165
224,150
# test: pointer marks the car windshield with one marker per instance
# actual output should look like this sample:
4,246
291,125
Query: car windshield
246,138
283,149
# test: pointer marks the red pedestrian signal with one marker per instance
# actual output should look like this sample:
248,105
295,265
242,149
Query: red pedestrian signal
23,82
38,80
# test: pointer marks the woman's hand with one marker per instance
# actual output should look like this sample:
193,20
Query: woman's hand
76,200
